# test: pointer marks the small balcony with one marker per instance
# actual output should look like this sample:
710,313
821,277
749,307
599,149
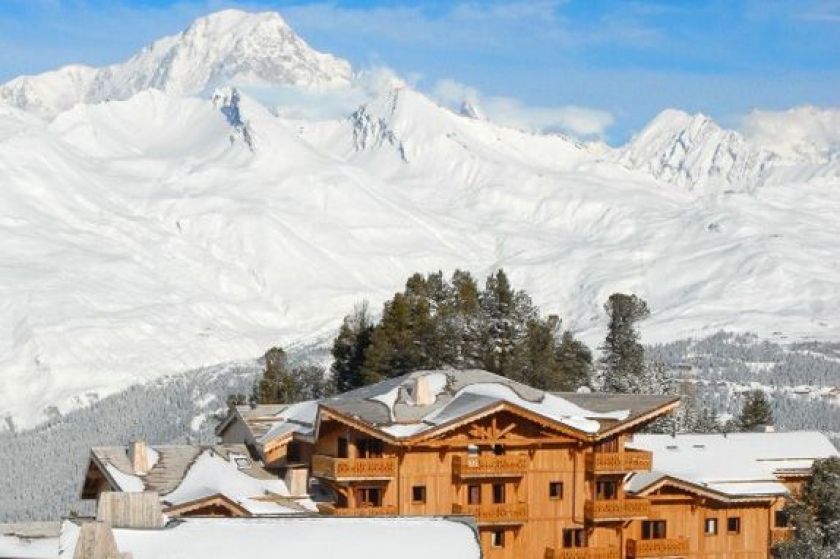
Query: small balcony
502,514
384,510
351,469
582,553
616,510
619,462
674,547
490,466
779,535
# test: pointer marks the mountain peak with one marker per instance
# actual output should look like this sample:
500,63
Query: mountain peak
692,150
230,47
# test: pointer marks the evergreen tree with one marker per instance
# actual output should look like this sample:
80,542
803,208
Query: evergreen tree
575,362
434,322
397,343
623,361
273,386
815,516
349,348
756,412
281,384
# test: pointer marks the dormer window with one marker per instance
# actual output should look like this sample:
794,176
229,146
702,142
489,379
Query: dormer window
242,462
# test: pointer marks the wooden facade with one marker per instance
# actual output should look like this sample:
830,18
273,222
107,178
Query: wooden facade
538,485
535,489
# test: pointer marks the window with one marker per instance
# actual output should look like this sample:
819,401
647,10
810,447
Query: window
781,519
733,525
498,493
606,490
369,497
497,538
368,448
555,490
242,462
293,452
498,449
418,494
575,537
474,495
711,527
653,529
342,447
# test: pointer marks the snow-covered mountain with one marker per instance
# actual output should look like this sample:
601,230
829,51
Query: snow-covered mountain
177,226
694,152
226,47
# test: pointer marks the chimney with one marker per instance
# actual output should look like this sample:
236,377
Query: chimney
297,480
138,455
423,392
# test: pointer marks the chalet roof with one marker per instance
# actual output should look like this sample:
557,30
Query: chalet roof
267,422
391,405
638,405
349,538
735,465
186,473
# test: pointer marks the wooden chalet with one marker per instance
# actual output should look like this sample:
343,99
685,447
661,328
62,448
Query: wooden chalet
189,480
545,475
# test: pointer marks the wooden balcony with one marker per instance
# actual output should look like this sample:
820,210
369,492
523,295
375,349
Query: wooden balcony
619,462
502,514
616,510
506,465
385,510
582,553
674,547
779,535
350,469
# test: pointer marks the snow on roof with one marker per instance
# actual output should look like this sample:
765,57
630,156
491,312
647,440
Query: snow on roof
391,404
349,538
295,418
737,464
183,473
212,474
125,482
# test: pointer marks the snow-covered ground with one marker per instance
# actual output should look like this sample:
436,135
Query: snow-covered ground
166,230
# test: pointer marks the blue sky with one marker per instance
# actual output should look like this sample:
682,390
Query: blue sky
622,60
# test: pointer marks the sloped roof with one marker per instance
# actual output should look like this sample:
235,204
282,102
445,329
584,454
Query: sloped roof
734,465
185,473
390,405
267,422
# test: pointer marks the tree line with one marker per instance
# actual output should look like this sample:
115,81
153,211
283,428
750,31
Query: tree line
437,322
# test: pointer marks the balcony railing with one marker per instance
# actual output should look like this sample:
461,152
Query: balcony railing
617,509
582,553
348,469
779,535
507,465
385,510
500,514
619,462
676,547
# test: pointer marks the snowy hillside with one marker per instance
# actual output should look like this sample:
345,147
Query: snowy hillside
226,47
180,225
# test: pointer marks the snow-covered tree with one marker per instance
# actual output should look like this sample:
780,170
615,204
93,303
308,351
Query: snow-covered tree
756,412
622,365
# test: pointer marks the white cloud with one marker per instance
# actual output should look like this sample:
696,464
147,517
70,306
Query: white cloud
325,104
579,121
810,132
